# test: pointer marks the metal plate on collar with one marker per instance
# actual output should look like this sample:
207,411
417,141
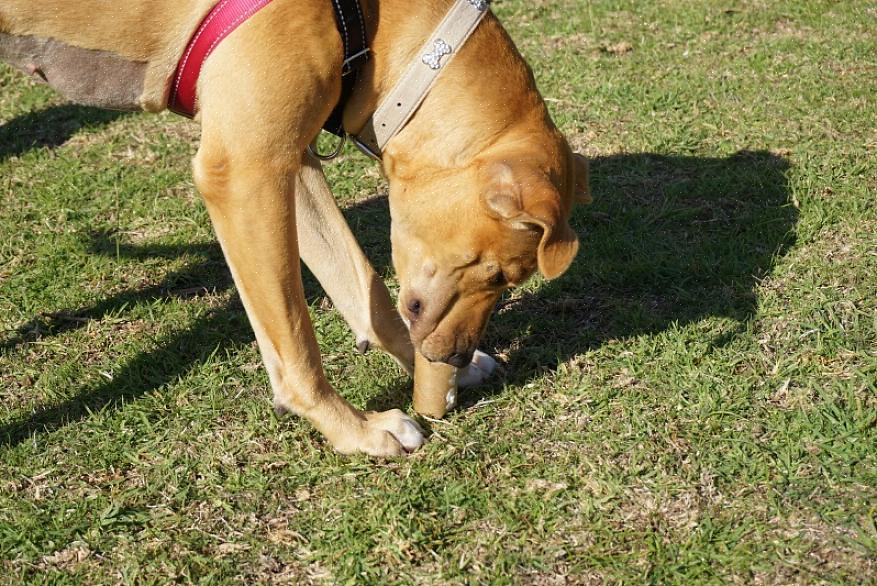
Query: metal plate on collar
434,57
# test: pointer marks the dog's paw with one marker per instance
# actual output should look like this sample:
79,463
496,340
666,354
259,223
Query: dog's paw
390,433
478,371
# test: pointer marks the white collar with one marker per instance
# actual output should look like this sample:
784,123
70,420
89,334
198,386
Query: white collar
402,101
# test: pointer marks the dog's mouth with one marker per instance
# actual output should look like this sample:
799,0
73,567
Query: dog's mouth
437,348
458,359
441,346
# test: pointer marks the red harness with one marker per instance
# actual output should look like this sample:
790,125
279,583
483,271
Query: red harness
226,16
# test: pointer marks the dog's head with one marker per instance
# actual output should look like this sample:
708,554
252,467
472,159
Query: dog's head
463,235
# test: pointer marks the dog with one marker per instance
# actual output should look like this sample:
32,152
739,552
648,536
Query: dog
481,182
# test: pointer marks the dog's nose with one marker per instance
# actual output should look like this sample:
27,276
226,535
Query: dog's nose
414,308
459,359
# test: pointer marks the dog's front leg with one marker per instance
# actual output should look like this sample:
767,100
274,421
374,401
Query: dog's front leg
332,253
251,205
253,135
436,383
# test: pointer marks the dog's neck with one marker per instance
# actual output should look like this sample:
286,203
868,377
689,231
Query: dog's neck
487,93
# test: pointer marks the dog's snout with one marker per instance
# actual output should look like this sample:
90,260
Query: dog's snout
458,359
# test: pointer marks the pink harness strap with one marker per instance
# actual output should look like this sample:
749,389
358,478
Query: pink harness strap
226,16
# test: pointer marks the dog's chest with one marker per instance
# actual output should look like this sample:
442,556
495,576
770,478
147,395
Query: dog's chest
85,76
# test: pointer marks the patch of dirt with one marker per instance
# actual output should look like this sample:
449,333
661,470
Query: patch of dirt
545,487
68,558
790,396
617,49
829,550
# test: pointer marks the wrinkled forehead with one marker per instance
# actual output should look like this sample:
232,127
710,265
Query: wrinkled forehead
444,220
505,243
473,241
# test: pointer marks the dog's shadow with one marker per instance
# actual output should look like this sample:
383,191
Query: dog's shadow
50,128
669,239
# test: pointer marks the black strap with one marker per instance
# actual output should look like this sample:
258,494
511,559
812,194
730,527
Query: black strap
351,27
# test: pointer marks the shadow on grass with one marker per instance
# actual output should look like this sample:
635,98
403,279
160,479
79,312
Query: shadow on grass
669,240
222,328
206,277
50,128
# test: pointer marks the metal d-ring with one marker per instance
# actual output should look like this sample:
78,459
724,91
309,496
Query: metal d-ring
312,149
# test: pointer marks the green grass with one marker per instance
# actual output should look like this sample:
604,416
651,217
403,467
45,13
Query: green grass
694,402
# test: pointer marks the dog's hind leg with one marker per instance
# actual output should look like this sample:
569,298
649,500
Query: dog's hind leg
332,253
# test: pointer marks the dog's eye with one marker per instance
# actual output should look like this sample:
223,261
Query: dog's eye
497,279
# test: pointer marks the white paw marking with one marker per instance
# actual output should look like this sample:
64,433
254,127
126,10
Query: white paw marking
478,371
451,398
406,431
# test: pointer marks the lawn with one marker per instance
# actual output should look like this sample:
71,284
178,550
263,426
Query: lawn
693,402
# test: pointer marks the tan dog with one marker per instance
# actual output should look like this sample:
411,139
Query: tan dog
481,181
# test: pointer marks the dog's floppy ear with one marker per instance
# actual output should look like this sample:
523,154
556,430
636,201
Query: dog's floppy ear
530,202
581,171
